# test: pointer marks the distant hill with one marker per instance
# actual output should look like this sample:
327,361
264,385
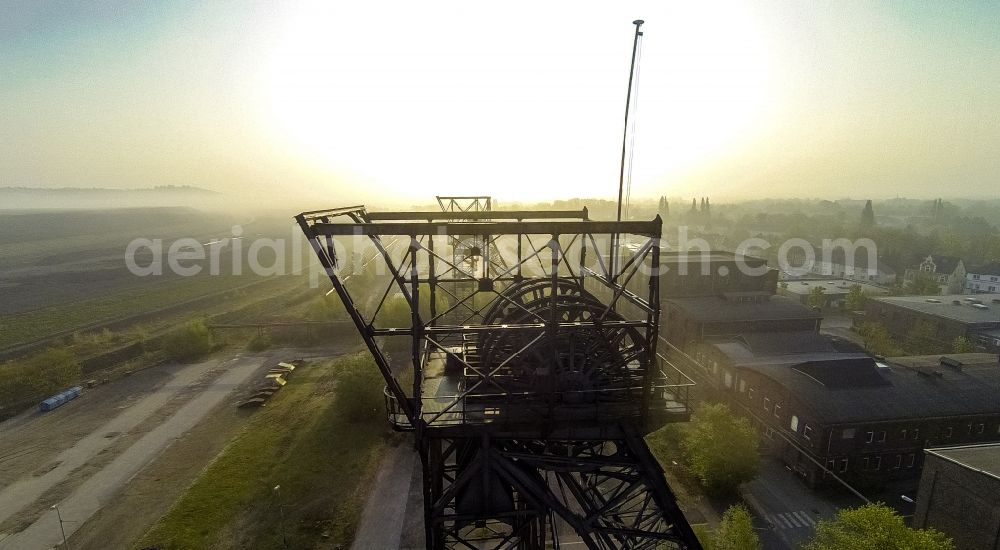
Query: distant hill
19,198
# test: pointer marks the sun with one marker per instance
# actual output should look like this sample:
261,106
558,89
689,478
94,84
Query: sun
422,109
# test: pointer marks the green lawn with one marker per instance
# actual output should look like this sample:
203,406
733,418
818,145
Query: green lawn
300,441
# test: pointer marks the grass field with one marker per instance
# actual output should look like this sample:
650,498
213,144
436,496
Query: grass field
32,325
301,441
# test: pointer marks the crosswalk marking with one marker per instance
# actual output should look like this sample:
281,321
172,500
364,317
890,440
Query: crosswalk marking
806,519
791,520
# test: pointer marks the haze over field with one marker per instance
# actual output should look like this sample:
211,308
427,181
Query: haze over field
394,102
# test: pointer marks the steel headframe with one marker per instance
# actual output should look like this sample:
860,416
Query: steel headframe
540,389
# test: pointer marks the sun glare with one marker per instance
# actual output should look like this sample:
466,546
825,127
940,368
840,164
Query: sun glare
431,109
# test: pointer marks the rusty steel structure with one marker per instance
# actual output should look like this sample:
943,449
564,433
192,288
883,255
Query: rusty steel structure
524,364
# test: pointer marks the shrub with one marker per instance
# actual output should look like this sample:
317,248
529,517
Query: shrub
33,379
260,342
191,341
359,391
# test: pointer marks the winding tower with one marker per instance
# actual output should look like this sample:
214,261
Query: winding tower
525,366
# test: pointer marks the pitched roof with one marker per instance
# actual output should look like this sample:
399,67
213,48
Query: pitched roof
942,264
988,269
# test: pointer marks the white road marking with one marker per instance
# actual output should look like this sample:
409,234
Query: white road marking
791,520
805,518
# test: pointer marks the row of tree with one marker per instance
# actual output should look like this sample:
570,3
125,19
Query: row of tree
872,526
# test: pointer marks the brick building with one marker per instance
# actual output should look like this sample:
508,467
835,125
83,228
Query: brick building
823,405
960,495
976,318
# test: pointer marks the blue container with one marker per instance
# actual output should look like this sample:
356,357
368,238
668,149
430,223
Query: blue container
60,399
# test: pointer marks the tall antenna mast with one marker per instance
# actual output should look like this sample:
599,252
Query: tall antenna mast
621,175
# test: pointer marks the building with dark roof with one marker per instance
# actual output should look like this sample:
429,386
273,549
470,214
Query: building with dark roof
983,279
713,273
976,318
826,406
948,271
960,495
720,293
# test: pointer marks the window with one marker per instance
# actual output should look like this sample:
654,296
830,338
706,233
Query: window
848,433
970,428
903,433
728,379
980,428
843,465
916,433
777,410
806,431
767,404
794,424
750,394
830,465
899,461
881,436
876,463
948,431
865,463
743,386
870,437
910,460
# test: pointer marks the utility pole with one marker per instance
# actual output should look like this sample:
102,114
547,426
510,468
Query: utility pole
281,516
61,528
621,174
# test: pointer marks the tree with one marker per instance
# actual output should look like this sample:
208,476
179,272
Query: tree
874,526
923,284
359,390
962,344
922,340
720,448
868,216
736,531
877,340
191,341
856,298
816,297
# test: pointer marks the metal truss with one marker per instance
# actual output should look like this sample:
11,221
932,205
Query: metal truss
541,493
532,354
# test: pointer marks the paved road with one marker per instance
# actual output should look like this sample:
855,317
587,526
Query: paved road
789,507
382,520
21,493
44,533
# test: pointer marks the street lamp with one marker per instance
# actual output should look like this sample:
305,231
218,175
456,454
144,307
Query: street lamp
281,516
61,529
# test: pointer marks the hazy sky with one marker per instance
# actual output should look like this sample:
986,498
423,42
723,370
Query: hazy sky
355,101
